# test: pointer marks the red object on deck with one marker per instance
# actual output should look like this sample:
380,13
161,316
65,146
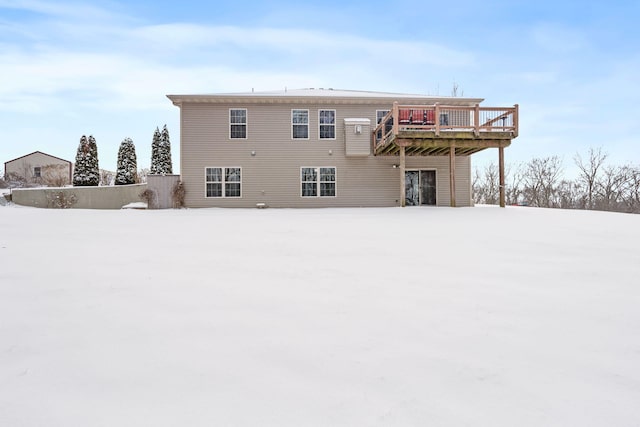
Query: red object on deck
404,117
417,117
430,117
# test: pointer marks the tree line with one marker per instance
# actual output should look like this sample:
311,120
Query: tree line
540,182
88,173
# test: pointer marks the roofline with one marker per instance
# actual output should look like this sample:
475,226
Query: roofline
36,152
272,98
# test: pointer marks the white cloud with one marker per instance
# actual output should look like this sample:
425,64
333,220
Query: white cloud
77,10
181,36
107,64
558,38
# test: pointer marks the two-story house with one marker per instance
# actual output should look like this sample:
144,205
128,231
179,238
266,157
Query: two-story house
334,148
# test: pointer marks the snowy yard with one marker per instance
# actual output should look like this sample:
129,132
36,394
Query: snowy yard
327,317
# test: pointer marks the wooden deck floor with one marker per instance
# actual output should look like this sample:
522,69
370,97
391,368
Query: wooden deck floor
427,143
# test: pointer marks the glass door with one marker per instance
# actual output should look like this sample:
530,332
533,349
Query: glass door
428,188
412,188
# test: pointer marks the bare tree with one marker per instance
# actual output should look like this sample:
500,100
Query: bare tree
610,188
513,181
142,175
569,195
540,181
55,175
632,190
456,91
106,177
476,187
588,176
486,185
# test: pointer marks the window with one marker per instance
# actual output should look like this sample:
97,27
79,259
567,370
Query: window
318,182
327,123
37,172
300,124
379,116
223,182
238,123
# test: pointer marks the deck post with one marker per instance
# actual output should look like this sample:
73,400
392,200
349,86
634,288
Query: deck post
394,114
403,189
452,174
501,171
476,120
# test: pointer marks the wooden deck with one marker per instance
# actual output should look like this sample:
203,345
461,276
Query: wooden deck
434,130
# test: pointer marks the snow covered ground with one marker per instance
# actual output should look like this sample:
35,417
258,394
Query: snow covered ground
327,317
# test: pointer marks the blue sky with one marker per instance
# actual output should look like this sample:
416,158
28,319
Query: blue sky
104,67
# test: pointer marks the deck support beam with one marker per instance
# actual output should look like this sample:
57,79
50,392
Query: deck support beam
501,171
403,188
452,174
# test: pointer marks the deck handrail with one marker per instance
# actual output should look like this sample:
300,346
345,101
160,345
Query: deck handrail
437,118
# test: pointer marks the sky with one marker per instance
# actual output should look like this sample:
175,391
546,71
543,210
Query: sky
105,67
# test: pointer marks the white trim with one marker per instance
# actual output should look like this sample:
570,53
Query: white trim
335,120
300,124
246,123
318,181
222,183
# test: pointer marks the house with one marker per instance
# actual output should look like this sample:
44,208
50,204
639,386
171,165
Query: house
40,168
334,148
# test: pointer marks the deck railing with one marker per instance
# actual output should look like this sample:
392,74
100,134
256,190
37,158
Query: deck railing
437,118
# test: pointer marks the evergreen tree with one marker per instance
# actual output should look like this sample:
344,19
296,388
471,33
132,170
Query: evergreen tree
155,153
86,171
165,152
127,163
93,169
80,167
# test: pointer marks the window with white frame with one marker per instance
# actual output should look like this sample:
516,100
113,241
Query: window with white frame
380,114
223,182
37,172
327,124
238,123
300,124
318,181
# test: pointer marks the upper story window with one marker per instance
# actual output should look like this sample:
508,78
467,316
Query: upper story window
300,124
37,172
327,123
238,123
380,114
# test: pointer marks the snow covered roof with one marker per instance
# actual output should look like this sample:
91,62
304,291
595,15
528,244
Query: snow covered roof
330,92
326,94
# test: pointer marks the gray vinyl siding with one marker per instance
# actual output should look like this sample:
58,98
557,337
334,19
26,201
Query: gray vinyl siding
272,175
357,144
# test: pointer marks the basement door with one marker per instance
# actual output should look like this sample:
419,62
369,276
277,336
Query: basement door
420,187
